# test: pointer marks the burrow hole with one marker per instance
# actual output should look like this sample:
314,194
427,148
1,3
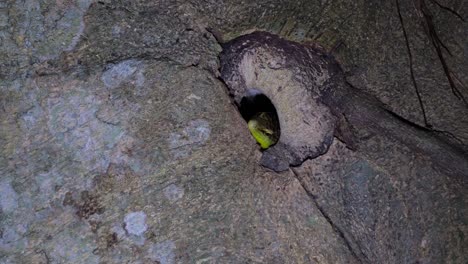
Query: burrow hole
253,104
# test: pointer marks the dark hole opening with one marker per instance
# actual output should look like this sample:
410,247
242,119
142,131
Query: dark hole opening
255,103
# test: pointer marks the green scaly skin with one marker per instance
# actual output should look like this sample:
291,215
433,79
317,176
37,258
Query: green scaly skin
264,129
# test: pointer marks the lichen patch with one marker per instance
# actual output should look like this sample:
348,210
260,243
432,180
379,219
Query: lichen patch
173,192
118,73
163,252
8,197
135,223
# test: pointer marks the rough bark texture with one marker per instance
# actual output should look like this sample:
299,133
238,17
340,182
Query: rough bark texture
120,144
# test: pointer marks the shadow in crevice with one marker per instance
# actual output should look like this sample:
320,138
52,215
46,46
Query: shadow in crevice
255,102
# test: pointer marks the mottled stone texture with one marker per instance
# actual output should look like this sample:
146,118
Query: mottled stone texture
121,145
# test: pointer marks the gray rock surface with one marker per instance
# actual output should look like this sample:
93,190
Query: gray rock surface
121,145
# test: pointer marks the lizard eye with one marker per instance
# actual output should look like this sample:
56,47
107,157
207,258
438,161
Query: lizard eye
267,131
